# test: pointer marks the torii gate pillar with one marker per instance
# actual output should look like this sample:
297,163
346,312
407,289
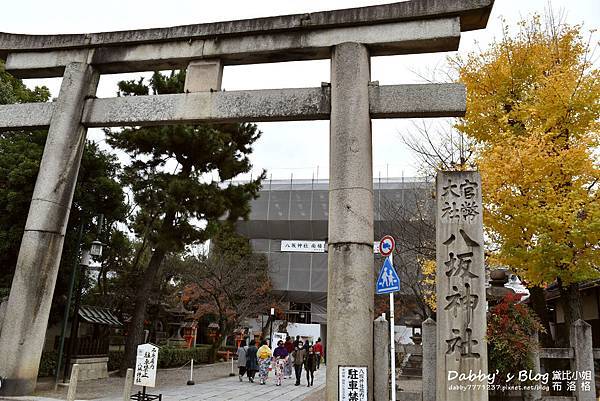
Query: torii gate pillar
349,37
24,326
350,258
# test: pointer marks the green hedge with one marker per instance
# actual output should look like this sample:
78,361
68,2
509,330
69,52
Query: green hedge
168,357
47,363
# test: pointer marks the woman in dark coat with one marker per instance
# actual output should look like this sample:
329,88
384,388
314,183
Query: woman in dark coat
310,365
251,361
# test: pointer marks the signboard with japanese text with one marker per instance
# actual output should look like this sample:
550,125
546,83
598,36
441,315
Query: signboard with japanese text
303,246
460,286
145,365
312,246
353,383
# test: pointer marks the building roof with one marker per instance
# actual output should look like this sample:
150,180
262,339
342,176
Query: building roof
98,315
552,291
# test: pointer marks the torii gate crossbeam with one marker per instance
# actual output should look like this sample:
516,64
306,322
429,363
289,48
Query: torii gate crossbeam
349,37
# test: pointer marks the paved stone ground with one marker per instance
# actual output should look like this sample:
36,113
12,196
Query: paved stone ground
414,385
317,395
212,384
113,386
233,389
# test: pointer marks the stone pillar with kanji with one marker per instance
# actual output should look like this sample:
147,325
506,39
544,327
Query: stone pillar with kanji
460,282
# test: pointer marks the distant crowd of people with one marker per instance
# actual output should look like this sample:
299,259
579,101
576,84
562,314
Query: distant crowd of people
288,356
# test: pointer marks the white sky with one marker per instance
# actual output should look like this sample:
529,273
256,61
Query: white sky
285,148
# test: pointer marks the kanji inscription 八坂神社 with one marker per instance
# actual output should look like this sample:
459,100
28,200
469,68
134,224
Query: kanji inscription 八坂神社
349,38
461,350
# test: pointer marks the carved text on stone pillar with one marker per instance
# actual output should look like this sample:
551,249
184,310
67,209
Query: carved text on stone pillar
460,283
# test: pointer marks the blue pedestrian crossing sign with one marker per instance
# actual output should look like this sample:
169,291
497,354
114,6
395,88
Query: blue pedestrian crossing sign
388,280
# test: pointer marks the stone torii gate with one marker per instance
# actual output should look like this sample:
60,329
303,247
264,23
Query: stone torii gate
348,37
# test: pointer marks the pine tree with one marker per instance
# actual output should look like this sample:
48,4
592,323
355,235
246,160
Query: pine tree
180,177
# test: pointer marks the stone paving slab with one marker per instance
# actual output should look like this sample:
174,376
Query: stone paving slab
232,389
221,389
113,386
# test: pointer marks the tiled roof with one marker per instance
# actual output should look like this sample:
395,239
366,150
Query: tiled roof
98,315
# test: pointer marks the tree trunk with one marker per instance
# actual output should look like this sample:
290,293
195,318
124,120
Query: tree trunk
214,349
282,328
266,330
538,304
136,326
220,338
570,298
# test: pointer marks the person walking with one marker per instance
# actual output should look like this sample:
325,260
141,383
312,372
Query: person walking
241,356
264,361
319,351
251,361
289,366
298,354
297,341
310,365
280,356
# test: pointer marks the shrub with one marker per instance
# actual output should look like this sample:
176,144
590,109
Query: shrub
47,363
509,330
168,357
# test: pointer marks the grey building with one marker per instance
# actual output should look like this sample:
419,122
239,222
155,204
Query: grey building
288,222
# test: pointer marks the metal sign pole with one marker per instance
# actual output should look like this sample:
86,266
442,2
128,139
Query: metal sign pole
388,281
392,340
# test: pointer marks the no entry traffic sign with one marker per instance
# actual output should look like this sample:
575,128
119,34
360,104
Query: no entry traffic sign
387,245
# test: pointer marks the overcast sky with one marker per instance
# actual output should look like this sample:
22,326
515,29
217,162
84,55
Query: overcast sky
285,148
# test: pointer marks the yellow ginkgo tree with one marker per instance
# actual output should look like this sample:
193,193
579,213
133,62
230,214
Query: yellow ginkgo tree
533,104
